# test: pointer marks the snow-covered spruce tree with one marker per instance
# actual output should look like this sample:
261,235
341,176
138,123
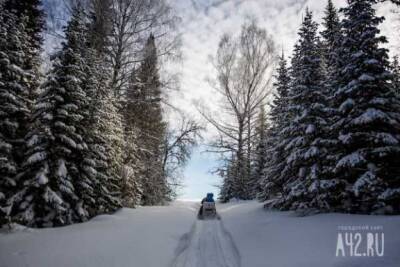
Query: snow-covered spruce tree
105,131
304,138
105,137
34,19
369,128
331,187
227,191
32,10
144,113
330,42
331,34
56,190
279,116
259,158
396,72
14,99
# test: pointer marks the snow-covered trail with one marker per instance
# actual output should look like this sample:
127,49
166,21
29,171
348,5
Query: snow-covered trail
155,237
207,244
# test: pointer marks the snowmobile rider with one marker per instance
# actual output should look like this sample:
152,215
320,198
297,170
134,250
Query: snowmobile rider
208,198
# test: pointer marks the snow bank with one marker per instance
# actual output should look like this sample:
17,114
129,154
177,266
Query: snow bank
280,239
142,237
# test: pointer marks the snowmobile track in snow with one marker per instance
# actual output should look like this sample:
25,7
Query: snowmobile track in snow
207,244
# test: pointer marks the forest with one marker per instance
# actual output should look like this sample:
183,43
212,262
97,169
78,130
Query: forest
88,135
86,131
329,141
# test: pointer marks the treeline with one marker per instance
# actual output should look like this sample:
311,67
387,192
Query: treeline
331,138
89,136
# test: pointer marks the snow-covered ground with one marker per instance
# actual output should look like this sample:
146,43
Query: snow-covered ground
280,239
142,237
207,244
246,236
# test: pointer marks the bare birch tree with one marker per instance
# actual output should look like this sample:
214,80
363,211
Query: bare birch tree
243,67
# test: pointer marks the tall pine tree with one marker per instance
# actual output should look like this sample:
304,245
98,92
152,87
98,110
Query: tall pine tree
304,140
331,189
259,159
396,73
279,115
331,34
105,134
228,177
369,127
144,116
30,13
56,188
105,137
14,102
32,10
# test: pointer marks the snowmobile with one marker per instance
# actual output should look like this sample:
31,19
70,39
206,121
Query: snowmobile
208,209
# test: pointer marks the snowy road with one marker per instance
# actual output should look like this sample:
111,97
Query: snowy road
207,244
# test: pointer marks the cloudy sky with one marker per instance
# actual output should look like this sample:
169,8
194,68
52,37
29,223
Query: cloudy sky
203,22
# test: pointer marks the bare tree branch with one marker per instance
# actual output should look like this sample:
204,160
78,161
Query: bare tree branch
243,67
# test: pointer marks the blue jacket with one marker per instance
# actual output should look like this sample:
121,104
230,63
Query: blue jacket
210,197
